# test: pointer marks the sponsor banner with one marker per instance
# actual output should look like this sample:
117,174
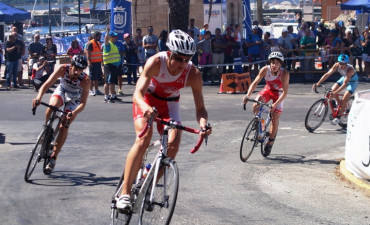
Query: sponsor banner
247,18
358,137
120,17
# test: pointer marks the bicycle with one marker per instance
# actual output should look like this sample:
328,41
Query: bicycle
319,109
154,196
45,141
257,131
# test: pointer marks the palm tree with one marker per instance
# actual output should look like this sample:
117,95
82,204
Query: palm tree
179,14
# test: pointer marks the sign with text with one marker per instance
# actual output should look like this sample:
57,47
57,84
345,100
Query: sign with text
120,21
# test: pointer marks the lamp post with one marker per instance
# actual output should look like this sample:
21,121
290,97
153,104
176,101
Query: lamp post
49,19
79,16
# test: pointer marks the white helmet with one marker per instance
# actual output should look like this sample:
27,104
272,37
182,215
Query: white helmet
276,55
180,42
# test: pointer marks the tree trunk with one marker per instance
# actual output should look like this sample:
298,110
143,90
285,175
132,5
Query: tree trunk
259,12
179,14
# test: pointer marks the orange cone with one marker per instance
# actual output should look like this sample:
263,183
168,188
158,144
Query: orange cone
221,90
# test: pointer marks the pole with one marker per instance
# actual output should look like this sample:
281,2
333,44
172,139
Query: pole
79,16
49,19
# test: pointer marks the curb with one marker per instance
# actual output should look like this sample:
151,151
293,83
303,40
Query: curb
358,182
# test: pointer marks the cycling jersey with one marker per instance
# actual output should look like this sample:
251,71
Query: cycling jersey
69,90
164,91
353,82
273,88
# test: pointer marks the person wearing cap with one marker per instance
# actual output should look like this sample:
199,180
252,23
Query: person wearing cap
228,53
131,58
34,52
94,56
164,75
38,78
112,66
260,31
150,43
253,43
203,31
307,44
13,52
285,43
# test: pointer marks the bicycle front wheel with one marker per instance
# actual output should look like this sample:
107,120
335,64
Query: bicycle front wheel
344,118
161,208
37,154
249,140
316,115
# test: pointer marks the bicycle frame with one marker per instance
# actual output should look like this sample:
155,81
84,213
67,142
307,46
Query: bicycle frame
267,123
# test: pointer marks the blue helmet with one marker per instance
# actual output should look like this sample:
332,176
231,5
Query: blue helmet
343,58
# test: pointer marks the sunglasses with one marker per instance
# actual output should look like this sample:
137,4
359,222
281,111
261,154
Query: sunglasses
342,64
180,59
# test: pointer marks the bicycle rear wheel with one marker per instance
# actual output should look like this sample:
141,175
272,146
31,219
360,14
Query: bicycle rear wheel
37,153
117,217
344,118
161,209
249,140
316,115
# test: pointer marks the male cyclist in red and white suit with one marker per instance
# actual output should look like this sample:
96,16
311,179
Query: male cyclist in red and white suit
276,89
159,86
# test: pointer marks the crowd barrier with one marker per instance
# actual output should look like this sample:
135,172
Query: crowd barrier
357,151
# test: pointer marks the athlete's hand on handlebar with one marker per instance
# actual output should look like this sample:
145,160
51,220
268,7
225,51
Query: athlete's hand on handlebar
205,131
35,102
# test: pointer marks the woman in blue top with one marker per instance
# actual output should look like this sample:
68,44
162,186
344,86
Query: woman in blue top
162,41
348,82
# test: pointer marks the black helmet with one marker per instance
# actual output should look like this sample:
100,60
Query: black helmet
79,61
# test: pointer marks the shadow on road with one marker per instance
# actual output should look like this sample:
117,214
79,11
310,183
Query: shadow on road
299,159
75,178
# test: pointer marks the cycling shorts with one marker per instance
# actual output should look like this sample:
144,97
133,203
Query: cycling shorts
269,94
352,84
69,100
166,109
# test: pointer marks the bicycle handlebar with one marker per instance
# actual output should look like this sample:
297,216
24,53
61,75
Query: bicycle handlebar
174,124
54,108
258,102
326,89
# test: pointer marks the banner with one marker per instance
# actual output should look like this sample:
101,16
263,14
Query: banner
120,21
357,155
247,18
232,83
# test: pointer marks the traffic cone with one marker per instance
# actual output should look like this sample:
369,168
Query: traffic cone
319,64
221,90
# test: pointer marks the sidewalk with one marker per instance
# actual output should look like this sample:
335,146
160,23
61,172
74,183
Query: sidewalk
358,182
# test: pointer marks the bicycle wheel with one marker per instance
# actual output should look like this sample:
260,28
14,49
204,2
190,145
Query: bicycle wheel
344,118
47,150
249,140
36,154
160,211
117,217
316,115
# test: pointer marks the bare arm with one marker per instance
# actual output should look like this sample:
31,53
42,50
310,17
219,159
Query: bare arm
326,75
285,79
254,84
347,78
85,85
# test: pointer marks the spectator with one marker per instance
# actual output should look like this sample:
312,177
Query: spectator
314,29
112,62
131,58
13,48
38,78
89,38
333,44
347,44
205,56
150,43
203,31
266,47
356,50
295,44
298,16
237,57
138,40
237,35
74,49
322,34
162,40
195,30
229,45
50,52
285,43
365,42
194,59
34,51
253,43
218,48
20,63
308,43
122,52
260,31
94,61
302,32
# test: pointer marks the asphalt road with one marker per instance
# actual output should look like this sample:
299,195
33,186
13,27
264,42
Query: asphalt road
297,184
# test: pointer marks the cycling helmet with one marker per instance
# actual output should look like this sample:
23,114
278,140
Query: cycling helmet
276,55
180,42
79,61
343,58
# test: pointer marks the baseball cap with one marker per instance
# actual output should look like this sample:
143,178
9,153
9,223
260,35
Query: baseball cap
254,27
285,30
112,33
126,35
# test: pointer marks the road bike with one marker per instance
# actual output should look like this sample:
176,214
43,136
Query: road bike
257,132
318,111
153,195
42,150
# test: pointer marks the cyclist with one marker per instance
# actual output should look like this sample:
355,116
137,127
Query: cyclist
159,86
276,89
72,92
348,82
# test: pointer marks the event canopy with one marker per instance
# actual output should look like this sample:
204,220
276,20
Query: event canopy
9,14
362,5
